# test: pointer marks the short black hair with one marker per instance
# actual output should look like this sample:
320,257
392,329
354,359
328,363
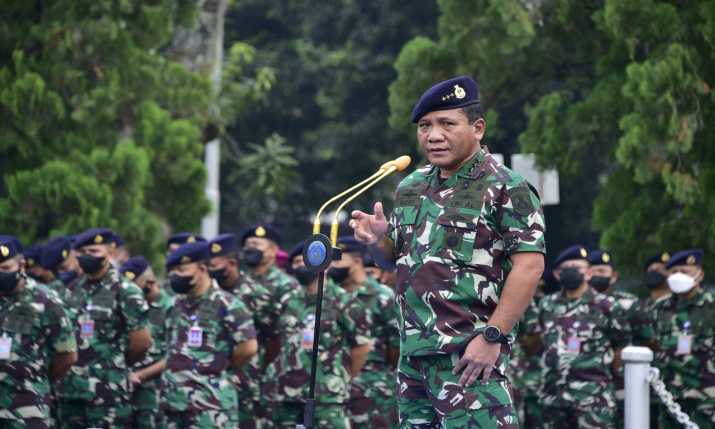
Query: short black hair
473,112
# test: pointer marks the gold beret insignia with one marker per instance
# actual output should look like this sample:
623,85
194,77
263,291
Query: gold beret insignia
65,254
215,248
191,239
130,275
584,253
98,239
459,92
5,251
185,259
606,258
260,232
665,257
30,262
690,260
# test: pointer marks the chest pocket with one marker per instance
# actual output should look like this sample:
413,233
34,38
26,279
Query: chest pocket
20,321
404,218
458,237
329,329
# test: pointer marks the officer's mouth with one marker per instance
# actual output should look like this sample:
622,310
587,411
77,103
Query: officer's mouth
437,152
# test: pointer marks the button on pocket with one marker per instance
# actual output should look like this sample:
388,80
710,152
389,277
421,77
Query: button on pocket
458,238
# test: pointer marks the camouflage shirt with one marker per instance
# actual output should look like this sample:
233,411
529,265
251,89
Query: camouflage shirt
644,322
38,328
287,377
196,377
689,373
452,243
526,370
114,307
579,337
158,310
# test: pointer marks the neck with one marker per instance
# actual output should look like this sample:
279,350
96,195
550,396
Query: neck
203,285
232,281
577,293
153,295
99,274
660,291
262,269
354,282
445,172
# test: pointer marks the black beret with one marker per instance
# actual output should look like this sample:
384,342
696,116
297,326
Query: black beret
453,93
348,244
297,250
573,252
8,247
55,251
662,257
223,244
686,257
262,231
15,242
197,251
33,255
183,238
134,267
368,260
94,236
600,257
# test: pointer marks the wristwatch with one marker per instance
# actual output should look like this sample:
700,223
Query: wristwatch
493,335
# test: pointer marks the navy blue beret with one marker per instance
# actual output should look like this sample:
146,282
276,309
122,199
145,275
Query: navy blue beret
223,244
348,244
197,251
576,251
453,93
368,260
685,257
183,238
262,231
93,236
662,257
54,252
600,257
15,242
134,267
297,250
8,247
117,240
33,255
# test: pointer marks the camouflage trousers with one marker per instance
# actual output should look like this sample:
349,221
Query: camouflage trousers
699,411
81,414
581,418
373,404
533,417
286,415
145,406
201,419
429,397
251,414
25,424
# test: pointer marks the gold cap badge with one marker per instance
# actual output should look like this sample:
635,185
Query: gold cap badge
260,232
690,260
130,275
584,253
65,254
5,251
98,239
191,239
459,92
665,257
215,248
185,259
606,258
30,262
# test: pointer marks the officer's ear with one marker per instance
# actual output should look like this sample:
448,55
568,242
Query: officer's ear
614,276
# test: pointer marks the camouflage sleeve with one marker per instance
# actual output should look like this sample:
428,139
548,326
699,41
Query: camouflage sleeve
530,320
59,329
618,331
388,311
239,322
521,222
133,306
355,321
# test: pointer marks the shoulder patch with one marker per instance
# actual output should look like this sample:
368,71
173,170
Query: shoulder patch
521,200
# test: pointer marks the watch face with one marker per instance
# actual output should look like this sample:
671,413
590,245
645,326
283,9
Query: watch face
491,333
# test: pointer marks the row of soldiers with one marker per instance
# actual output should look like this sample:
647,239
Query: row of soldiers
566,366
92,338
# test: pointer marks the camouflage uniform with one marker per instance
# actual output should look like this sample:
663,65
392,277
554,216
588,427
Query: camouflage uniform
526,371
96,393
287,378
626,311
258,301
372,393
199,389
452,241
579,338
145,398
39,328
690,377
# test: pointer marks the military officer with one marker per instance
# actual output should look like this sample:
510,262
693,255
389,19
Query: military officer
372,393
119,251
467,237
109,314
180,238
208,331
685,334
33,264
54,254
655,280
37,344
225,269
145,374
371,267
581,335
260,247
343,348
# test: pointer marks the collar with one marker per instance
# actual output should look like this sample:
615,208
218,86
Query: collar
470,169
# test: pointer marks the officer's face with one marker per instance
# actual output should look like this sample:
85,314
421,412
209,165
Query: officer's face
447,137
374,272
189,270
221,262
11,265
693,271
96,250
659,267
146,280
602,270
297,262
269,248
579,264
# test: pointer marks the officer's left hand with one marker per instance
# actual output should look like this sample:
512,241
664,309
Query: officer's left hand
479,358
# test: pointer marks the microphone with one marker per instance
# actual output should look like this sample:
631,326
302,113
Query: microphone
385,170
390,167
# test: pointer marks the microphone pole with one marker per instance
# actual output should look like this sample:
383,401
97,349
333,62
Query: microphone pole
318,253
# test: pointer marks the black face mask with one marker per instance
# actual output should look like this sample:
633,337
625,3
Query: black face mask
338,274
219,275
570,279
304,275
90,264
181,284
34,277
653,279
600,283
8,281
67,277
252,256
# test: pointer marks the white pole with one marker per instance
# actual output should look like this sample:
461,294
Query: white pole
637,361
